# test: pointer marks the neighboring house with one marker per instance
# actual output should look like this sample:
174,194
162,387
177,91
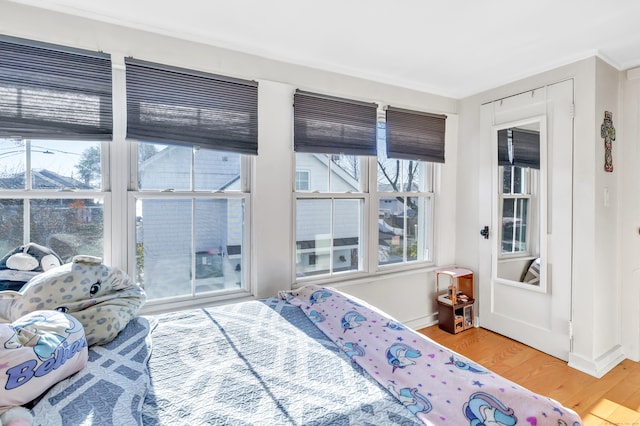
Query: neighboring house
312,240
42,179
161,231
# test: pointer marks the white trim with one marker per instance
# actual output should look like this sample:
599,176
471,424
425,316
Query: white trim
601,365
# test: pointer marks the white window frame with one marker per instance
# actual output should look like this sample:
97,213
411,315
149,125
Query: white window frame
178,302
104,195
371,198
432,170
363,196
526,195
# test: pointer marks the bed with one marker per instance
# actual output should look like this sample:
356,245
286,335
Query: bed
314,357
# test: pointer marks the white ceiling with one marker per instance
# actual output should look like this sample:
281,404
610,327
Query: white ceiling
453,48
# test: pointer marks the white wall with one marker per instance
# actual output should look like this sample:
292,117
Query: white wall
627,155
407,296
607,336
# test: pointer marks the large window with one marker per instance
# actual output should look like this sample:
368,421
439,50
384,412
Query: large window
55,109
190,221
332,137
405,205
190,193
50,195
344,214
330,216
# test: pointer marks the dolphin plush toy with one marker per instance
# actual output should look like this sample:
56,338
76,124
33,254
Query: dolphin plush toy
102,298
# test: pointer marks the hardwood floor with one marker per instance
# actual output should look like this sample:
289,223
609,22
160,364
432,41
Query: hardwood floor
612,400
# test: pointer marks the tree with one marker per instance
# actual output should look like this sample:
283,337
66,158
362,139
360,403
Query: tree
146,151
89,166
390,172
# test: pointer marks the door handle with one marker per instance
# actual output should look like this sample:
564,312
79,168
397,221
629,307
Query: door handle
485,232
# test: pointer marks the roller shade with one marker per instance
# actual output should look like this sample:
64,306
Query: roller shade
184,107
329,125
54,92
413,135
525,148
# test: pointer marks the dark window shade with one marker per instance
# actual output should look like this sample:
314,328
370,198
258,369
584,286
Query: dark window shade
413,135
526,148
54,92
184,107
328,125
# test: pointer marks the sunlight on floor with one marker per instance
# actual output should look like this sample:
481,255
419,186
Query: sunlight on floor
606,412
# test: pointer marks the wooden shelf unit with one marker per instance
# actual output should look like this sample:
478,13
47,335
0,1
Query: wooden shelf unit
458,315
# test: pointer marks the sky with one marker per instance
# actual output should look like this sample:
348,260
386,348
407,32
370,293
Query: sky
57,156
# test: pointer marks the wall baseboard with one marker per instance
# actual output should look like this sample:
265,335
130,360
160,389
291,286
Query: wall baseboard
600,366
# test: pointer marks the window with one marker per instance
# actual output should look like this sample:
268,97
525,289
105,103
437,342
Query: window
191,196
518,168
302,180
63,208
405,207
329,224
515,202
190,216
330,137
334,213
55,109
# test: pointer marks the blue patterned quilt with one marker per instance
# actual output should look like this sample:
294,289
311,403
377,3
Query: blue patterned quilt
109,390
258,363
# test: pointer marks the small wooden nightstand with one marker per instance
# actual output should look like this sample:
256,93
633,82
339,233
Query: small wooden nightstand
456,297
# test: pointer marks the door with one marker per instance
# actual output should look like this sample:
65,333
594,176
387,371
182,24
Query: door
525,263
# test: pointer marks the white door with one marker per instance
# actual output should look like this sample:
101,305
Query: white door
529,214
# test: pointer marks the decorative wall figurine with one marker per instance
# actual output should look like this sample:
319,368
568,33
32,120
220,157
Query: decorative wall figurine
608,133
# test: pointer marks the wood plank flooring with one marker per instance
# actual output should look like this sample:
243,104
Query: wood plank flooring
612,400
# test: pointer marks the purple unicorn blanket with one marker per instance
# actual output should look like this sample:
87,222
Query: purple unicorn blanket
436,384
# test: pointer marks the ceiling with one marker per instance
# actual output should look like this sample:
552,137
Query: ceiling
454,48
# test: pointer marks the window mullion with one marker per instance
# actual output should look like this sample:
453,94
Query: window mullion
514,228
28,177
26,213
405,230
332,235
193,247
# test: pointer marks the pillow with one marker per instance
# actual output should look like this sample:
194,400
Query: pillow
38,350
532,273
103,298
25,262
